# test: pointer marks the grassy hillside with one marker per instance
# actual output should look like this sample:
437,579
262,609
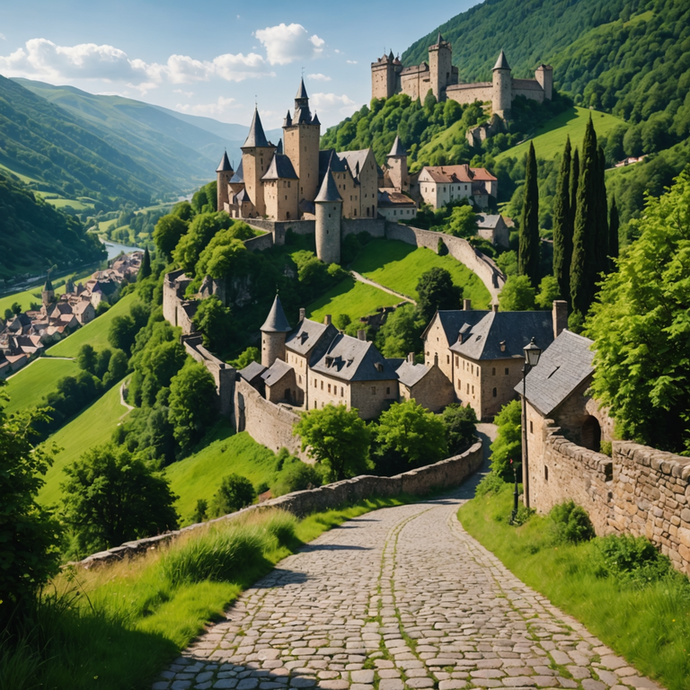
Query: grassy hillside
550,137
91,428
399,266
199,475
29,385
351,298
94,333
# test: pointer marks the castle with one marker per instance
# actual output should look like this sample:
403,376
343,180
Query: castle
439,76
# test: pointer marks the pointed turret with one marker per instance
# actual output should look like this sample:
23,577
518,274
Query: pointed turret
279,148
315,120
328,212
302,90
47,294
329,189
224,165
256,136
397,149
502,88
396,163
302,114
439,40
287,122
276,321
273,334
502,62
48,286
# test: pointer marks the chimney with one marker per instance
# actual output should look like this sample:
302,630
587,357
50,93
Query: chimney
327,319
302,313
494,308
560,316
467,304
361,334
410,358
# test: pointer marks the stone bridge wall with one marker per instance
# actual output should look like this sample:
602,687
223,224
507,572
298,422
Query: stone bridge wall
460,249
446,474
639,490
223,374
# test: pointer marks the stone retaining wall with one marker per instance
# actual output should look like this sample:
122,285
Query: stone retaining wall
446,474
460,249
639,490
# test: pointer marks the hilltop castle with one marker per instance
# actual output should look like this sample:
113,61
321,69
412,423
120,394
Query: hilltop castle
389,77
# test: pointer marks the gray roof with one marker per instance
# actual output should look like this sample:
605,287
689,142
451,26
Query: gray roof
351,359
411,374
242,196
256,136
562,367
47,286
355,160
502,62
280,168
397,149
485,221
311,337
452,320
328,158
279,148
252,371
276,321
224,165
315,120
238,177
504,334
302,90
329,190
288,120
276,372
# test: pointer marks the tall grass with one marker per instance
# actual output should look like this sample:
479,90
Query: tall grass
118,626
645,620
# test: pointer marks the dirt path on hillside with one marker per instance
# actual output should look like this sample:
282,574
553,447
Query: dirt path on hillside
360,278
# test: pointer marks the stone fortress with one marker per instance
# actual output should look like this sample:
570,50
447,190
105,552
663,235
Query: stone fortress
438,75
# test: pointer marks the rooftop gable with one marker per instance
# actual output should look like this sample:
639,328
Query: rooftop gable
351,359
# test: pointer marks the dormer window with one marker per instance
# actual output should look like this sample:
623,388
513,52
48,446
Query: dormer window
378,366
329,361
502,345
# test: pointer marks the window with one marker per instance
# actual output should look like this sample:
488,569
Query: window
321,385
531,427
495,392
472,390
546,473
373,390
388,390
493,371
329,387
342,392
447,359
507,371
468,389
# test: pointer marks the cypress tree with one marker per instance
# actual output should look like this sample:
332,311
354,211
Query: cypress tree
601,238
528,249
145,268
583,269
614,224
563,226
574,181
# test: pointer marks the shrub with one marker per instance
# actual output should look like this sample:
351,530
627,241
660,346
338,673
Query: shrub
235,492
296,475
632,558
461,427
508,443
491,484
572,523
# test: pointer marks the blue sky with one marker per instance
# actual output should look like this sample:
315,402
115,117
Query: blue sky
214,58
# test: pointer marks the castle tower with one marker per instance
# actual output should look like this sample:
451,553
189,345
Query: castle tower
273,334
329,210
224,173
544,75
384,76
502,91
257,153
47,294
440,67
301,135
397,166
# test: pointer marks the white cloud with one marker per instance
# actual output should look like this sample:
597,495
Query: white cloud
3,37
286,43
327,101
220,107
351,62
318,77
44,59
182,92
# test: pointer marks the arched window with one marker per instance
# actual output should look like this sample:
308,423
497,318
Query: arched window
591,434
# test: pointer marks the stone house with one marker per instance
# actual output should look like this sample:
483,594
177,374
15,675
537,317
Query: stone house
442,184
481,352
494,229
427,385
395,206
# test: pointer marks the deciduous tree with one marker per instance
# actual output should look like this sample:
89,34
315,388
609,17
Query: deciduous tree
435,290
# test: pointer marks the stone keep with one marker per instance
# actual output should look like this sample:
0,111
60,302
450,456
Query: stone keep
502,92
224,173
397,166
440,67
273,334
329,208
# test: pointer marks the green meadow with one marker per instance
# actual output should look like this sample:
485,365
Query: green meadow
351,298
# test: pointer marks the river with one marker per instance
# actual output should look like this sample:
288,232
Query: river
113,249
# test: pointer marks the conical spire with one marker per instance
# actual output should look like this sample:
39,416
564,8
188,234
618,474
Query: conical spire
315,120
329,189
287,122
397,150
276,321
224,165
302,90
439,40
48,287
502,62
256,136
302,114
279,148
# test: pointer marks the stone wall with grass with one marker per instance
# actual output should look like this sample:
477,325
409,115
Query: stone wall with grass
460,249
639,490
440,476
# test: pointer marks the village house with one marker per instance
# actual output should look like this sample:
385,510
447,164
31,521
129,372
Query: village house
425,384
440,185
494,229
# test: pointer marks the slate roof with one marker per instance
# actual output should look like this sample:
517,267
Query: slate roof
242,196
301,90
48,285
252,371
238,177
562,367
256,136
411,374
352,359
280,168
503,334
311,337
224,165
452,320
502,62
328,158
315,120
485,221
355,160
276,371
397,149
279,148
287,122
329,190
276,321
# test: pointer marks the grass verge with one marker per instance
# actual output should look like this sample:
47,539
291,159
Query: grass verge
648,623
117,627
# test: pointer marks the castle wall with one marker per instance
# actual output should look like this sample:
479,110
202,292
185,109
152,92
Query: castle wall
223,374
442,475
260,243
469,93
640,490
459,248
416,82
529,88
376,227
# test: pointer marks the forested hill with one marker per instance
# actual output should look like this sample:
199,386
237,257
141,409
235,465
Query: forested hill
629,57
34,236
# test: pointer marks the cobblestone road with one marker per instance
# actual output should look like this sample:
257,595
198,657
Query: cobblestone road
398,598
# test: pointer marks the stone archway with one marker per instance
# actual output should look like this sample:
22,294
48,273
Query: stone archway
591,434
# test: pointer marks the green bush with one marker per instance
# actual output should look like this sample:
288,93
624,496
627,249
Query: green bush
296,475
491,484
235,492
508,443
632,558
572,523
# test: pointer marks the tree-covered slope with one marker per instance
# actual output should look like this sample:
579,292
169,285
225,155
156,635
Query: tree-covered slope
35,236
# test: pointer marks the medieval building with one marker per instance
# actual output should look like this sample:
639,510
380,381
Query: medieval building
438,75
